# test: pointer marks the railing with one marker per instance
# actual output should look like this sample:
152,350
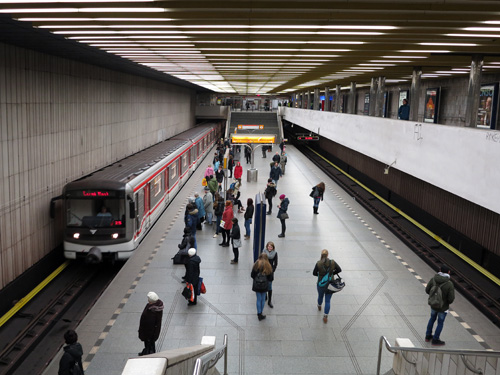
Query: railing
209,360
461,353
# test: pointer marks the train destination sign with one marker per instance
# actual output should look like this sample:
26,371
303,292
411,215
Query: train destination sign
307,138
93,194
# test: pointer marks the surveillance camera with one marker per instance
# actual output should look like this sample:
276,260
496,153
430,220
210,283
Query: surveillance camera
386,170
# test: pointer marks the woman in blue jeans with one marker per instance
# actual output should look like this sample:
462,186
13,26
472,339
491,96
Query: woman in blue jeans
323,267
248,217
262,275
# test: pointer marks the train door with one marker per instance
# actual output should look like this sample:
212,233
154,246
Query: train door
139,204
147,206
167,186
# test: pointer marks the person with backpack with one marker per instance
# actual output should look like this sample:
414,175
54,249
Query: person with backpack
272,255
262,275
71,360
317,194
325,269
150,323
441,293
269,193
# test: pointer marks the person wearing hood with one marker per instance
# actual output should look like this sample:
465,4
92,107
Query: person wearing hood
72,355
193,272
213,185
272,256
150,323
238,171
322,267
201,210
441,279
191,219
269,193
282,213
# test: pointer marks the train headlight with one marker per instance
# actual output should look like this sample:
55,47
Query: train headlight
114,235
76,235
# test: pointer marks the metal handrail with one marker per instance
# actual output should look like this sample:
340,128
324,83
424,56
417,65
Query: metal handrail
460,352
209,360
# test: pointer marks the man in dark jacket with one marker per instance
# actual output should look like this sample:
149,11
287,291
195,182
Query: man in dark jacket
72,356
191,219
275,173
404,111
150,323
269,193
441,279
193,272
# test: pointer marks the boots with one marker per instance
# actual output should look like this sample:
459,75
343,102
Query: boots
261,317
315,209
325,319
270,294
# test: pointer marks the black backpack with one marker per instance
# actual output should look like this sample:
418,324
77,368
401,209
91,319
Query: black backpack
260,282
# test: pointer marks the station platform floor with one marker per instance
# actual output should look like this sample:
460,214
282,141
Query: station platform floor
384,293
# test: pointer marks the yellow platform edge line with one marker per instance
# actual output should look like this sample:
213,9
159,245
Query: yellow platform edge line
18,306
485,272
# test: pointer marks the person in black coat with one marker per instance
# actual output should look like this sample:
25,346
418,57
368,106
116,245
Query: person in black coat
283,208
269,193
235,240
248,217
150,323
72,355
248,154
193,272
186,244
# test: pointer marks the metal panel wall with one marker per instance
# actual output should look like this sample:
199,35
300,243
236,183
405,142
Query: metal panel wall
60,120
477,223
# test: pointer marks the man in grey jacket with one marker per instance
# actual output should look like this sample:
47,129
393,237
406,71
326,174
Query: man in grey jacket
441,279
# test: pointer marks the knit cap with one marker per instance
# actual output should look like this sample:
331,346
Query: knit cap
152,297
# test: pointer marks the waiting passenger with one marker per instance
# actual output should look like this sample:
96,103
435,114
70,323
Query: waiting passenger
72,356
150,323
317,194
262,275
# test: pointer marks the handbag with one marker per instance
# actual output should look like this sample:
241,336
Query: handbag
236,243
222,223
284,216
336,285
186,292
204,182
201,287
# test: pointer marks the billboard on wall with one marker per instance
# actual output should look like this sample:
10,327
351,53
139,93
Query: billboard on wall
404,94
487,111
431,109
366,108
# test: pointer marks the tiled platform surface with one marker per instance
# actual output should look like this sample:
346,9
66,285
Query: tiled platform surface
383,296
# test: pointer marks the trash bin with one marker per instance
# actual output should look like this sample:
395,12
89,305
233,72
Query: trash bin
252,175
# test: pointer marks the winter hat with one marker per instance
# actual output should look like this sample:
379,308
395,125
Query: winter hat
191,251
282,196
207,188
152,297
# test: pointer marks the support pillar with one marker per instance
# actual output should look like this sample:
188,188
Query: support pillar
303,102
472,103
316,100
337,98
373,97
352,99
308,103
379,103
416,78
327,99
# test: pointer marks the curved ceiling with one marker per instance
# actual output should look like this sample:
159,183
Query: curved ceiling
249,47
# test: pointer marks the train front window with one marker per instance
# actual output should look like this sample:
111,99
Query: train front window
95,213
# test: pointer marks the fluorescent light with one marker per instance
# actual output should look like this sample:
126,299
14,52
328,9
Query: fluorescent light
83,10
377,65
475,35
390,61
423,51
494,29
71,1
404,57
450,44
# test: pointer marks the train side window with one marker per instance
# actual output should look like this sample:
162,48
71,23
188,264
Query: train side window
156,190
173,170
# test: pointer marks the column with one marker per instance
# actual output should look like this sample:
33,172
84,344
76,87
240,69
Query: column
373,97
316,100
327,99
337,98
303,101
308,96
415,92
352,99
380,102
472,103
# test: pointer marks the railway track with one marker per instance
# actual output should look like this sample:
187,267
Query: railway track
480,290
33,336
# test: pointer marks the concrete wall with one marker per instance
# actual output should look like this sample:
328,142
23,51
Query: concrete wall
456,159
59,120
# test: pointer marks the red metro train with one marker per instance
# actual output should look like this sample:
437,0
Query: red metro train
108,213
